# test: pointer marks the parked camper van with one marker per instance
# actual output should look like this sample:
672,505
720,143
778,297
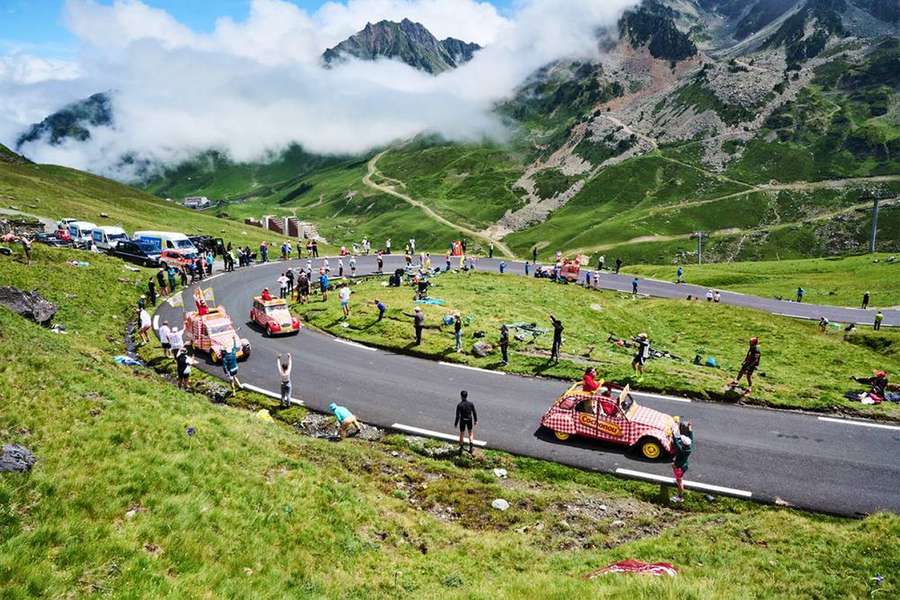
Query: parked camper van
106,237
80,232
167,240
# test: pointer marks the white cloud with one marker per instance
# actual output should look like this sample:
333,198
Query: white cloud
253,86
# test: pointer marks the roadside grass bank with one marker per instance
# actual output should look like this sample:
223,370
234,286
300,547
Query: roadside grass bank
801,367
839,281
142,490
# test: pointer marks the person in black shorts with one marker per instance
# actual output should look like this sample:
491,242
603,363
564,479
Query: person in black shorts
750,364
466,420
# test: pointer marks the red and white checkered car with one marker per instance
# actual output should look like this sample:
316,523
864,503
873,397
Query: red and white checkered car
611,417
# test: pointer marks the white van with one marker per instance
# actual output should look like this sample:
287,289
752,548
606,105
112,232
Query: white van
80,232
167,240
106,237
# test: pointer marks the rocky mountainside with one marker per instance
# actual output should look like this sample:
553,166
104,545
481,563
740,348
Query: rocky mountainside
9,157
409,42
73,121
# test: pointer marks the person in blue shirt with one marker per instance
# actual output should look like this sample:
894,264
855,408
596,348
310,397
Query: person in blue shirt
634,286
323,284
345,420
381,308
230,365
679,275
800,292
502,266
526,268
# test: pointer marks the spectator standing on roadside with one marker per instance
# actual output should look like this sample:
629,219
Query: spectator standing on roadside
170,275
865,302
302,287
618,265
151,291
323,283
634,286
750,364
601,263
163,333
800,292
466,419
679,275
144,324
284,373
557,338
230,365
534,254
418,324
684,445
290,281
504,344
643,353
352,266
344,297
879,317
457,331
161,281
491,249
183,368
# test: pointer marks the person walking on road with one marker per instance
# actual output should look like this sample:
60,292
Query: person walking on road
344,297
684,444
504,344
491,249
380,260
643,353
346,420
284,372
618,265
457,331
634,287
526,268
418,324
352,266
865,302
230,366
466,419
749,366
557,338
879,317
800,292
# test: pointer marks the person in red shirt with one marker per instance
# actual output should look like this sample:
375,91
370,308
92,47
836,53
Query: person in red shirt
589,381
265,294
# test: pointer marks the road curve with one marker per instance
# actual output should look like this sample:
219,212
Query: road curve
815,463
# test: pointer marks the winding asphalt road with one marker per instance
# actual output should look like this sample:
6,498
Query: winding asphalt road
808,461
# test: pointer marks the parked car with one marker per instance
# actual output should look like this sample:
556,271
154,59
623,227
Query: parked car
80,232
50,239
138,252
106,237
613,418
176,258
214,333
167,240
273,316
62,234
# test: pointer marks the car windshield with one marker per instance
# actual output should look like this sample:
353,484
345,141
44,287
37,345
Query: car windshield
279,312
184,244
117,236
626,403
218,328
146,246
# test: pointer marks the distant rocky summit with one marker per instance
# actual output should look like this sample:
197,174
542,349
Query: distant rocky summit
407,41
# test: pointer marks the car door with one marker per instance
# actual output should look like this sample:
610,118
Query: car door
586,418
610,421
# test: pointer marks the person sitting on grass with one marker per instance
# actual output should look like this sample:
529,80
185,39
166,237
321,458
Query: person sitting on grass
345,420
683,441
589,381
878,386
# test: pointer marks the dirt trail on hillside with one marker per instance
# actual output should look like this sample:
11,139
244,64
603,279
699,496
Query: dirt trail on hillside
373,171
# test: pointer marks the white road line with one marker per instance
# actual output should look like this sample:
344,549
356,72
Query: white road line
659,396
467,367
214,276
434,434
266,392
688,484
859,423
354,344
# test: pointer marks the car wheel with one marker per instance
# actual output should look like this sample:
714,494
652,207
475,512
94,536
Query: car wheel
214,356
268,331
650,449
562,436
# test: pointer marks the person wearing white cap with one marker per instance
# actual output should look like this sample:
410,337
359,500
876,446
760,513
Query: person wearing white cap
418,324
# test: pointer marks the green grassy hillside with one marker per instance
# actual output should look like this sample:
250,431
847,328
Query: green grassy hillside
123,502
59,192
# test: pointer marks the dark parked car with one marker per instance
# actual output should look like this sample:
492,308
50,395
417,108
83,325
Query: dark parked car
205,243
50,239
137,251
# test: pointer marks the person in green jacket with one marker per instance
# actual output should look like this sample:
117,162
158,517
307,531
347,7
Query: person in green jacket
684,445
230,365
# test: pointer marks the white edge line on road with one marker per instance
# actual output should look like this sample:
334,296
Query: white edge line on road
659,396
266,392
859,423
688,484
354,344
434,434
468,368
